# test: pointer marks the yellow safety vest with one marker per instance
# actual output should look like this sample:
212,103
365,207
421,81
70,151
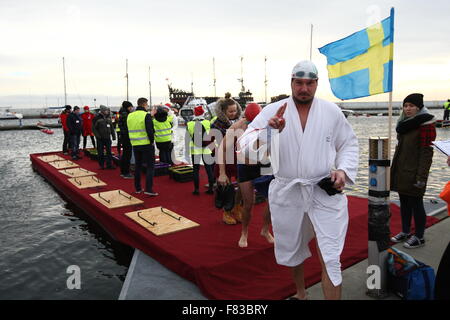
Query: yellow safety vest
213,119
117,123
163,130
191,126
136,128
447,105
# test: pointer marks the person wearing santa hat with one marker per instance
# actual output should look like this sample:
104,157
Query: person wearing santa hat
87,117
197,129
247,174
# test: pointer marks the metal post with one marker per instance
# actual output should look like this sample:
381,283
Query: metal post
310,44
379,211
214,77
149,88
126,75
65,91
265,79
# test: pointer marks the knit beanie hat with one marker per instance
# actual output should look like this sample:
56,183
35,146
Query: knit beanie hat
251,111
198,111
416,99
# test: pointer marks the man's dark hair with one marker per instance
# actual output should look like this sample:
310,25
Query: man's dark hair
141,102
126,104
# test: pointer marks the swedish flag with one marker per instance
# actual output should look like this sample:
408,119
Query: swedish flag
360,65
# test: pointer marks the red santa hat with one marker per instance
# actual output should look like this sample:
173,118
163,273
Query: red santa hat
86,108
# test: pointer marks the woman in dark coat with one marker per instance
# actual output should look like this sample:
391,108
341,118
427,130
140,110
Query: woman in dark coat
411,166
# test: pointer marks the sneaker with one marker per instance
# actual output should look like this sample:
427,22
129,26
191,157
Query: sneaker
152,194
195,192
414,242
127,176
400,237
138,192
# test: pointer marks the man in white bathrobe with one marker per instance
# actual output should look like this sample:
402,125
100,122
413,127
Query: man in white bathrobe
309,139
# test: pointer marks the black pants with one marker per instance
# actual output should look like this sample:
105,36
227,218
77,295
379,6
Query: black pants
165,151
409,207
85,141
66,142
442,284
126,154
144,154
102,145
119,143
446,114
209,168
75,144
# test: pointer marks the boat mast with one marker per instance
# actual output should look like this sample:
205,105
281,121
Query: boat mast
149,87
310,44
126,76
214,77
242,75
192,84
265,79
64,74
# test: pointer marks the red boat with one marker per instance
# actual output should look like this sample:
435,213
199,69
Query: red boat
47,131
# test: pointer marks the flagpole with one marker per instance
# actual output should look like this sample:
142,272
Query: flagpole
310,44
388,178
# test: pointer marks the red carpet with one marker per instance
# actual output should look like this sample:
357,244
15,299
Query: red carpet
209,255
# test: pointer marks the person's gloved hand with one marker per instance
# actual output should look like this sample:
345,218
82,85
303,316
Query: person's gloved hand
419,184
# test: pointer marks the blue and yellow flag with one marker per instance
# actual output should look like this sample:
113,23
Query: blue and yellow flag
360,65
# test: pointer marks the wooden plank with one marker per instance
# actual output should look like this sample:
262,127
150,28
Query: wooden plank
77,172
161,221
115,199
87,182
51,158
65,164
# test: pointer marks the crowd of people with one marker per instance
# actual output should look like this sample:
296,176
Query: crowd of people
286,150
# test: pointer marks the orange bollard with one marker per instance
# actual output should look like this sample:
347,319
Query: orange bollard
445,195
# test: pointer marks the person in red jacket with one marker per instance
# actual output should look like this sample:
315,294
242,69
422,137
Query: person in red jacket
87,117
63,119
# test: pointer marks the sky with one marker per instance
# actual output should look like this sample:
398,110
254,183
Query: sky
178,39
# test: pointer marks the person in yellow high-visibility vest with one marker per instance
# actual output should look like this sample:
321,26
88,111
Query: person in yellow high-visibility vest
447,110
141,134
163,125
199,150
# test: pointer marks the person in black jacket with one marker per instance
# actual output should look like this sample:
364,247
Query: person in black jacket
75,125
103,130
127,107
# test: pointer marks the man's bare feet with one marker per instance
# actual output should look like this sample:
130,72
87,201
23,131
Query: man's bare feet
243,240
266,234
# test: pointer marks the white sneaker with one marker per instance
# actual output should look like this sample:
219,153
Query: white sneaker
152,194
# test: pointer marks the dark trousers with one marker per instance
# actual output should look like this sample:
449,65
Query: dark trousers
442,284
209,168
446,114
144,154
85,141
126,155
165,151
66,142
119,143
102,145
75,144
409,207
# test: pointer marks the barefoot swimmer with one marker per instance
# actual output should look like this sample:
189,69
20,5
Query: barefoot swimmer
309,139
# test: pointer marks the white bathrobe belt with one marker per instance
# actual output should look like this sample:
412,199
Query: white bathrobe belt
306,189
